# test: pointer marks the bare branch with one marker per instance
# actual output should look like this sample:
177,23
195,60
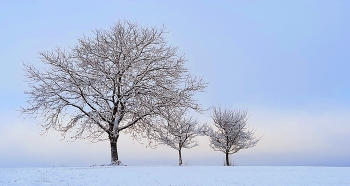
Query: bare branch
231,134
116,80
177,131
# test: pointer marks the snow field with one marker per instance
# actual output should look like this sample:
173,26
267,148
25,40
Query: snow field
172,176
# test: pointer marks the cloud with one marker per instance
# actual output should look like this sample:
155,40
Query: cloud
295,137
300,137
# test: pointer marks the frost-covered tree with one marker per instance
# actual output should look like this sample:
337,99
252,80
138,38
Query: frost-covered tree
231,133
118,80
178,131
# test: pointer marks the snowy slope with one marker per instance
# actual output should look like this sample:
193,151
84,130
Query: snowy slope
206,175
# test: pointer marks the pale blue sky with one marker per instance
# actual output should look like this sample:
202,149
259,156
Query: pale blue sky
286,62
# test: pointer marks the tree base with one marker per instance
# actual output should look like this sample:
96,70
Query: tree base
117,163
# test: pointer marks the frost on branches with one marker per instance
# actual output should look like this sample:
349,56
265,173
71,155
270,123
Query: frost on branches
231,134
178,131
117,81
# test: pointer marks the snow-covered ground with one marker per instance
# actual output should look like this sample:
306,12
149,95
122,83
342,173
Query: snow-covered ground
197,175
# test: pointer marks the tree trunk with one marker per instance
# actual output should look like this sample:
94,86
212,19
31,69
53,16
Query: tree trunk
180,158
227,159
114,152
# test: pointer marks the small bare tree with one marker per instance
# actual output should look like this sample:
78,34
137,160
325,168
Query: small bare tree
117,81
178,131
231,134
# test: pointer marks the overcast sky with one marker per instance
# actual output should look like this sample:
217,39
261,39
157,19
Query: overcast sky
286,62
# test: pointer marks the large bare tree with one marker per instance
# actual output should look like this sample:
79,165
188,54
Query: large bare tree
118,80
178,131
231,133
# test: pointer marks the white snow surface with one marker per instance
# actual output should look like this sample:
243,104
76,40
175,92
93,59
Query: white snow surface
171,176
